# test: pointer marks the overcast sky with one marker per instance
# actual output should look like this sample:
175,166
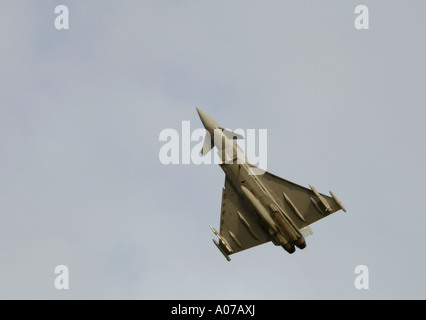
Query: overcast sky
81,111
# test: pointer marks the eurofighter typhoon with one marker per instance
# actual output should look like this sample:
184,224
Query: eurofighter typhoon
258,208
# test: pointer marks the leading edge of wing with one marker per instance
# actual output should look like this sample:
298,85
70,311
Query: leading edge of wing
239,226
304,205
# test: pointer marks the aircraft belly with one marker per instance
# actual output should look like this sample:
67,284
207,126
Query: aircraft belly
259,208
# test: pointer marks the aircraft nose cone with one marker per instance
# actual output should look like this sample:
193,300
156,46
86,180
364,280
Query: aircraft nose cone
207,121
200,113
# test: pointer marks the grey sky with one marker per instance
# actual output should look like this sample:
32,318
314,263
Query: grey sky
80,115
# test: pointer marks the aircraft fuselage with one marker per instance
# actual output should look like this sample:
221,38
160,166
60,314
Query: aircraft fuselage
262,202
257,206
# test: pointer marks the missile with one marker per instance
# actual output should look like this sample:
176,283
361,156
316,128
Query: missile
316,205
259,208
233,237
321,198
222,240
247,225
339,203
221,250
293,207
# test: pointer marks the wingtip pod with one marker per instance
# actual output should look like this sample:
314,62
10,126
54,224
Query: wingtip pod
339,203
321,199
222,240
223,245
221,250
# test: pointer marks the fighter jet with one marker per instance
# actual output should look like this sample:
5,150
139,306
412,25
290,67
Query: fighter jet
258,208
